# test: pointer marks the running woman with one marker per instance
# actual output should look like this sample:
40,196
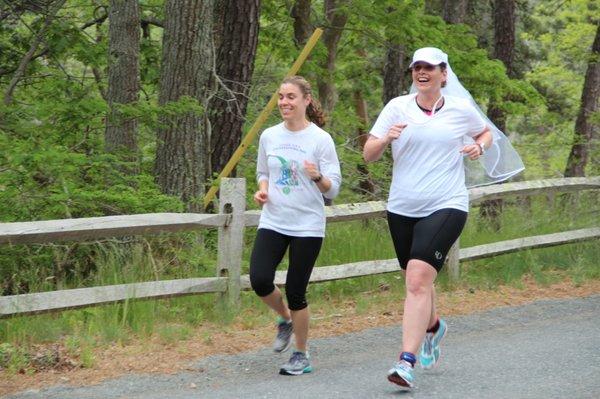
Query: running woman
297,168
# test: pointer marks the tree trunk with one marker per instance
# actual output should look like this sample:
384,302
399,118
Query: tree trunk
433,7
504,49
303,29
237,41
504,33
504,45
393,72
302,26
337,19
187,61
394,69
455,11
586,131
123,76
365,183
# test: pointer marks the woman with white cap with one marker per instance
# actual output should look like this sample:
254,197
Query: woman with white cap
430,131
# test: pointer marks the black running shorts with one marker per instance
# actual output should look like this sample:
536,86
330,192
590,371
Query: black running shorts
426,238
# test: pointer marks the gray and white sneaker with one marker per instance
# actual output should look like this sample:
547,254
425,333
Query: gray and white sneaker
298,364
283,340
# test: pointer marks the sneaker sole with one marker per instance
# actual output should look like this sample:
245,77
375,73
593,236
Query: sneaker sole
288,372
396,379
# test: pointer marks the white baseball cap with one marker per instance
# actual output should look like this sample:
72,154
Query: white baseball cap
430,55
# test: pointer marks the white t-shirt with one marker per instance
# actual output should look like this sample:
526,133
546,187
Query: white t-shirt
428,173
295,206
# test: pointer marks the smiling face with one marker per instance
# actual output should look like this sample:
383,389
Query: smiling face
292,102
427,77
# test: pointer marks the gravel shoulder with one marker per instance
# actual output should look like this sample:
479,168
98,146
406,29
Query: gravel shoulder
504,352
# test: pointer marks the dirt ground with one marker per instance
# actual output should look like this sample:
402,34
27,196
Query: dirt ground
156,357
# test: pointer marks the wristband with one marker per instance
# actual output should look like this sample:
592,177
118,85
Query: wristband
481,147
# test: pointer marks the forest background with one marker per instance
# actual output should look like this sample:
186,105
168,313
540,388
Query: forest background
126,106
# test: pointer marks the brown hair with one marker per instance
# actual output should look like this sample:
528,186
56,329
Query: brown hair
443,67
314,112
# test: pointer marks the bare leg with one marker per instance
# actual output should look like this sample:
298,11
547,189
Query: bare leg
300,319
418,304
275,301
434,315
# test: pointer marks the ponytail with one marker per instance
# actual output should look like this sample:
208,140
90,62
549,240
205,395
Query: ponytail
315,113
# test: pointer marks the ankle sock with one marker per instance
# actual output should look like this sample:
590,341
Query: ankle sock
433,329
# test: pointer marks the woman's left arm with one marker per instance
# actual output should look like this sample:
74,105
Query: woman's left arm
483,141
327,175
485,138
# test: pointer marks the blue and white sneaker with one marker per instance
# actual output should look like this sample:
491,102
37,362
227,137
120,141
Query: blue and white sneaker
298,364
283,340
430,348
402,374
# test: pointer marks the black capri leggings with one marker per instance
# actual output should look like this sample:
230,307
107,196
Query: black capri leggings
269,248
427,238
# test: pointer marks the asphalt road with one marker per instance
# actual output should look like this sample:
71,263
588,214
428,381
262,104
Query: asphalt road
548,349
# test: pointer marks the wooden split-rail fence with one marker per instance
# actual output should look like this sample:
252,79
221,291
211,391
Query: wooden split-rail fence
231,221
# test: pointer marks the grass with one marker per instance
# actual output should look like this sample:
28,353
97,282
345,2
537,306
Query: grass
82,331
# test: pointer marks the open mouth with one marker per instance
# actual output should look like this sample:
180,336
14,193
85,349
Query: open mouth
423,80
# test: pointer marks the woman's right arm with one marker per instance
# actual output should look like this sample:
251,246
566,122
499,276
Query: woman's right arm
262,194
374,147
262,174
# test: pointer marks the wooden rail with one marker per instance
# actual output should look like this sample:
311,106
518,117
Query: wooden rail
367,210
525,188
520,244
358,269
76,298
231,222
105,226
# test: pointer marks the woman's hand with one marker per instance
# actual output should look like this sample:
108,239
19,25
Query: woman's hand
473,151
261,197
394,132
311,170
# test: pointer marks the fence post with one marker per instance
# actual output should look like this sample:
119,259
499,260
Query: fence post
232,201
452,261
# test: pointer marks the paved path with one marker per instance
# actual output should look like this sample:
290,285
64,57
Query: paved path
548,349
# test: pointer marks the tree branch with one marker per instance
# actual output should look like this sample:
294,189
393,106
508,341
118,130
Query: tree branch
29,56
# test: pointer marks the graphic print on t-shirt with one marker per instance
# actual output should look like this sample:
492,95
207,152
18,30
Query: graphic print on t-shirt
289,174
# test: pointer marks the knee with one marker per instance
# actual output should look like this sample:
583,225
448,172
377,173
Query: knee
296,300
416,287
262,286
417,284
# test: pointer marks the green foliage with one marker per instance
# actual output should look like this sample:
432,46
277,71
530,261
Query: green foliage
559,40
13,358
